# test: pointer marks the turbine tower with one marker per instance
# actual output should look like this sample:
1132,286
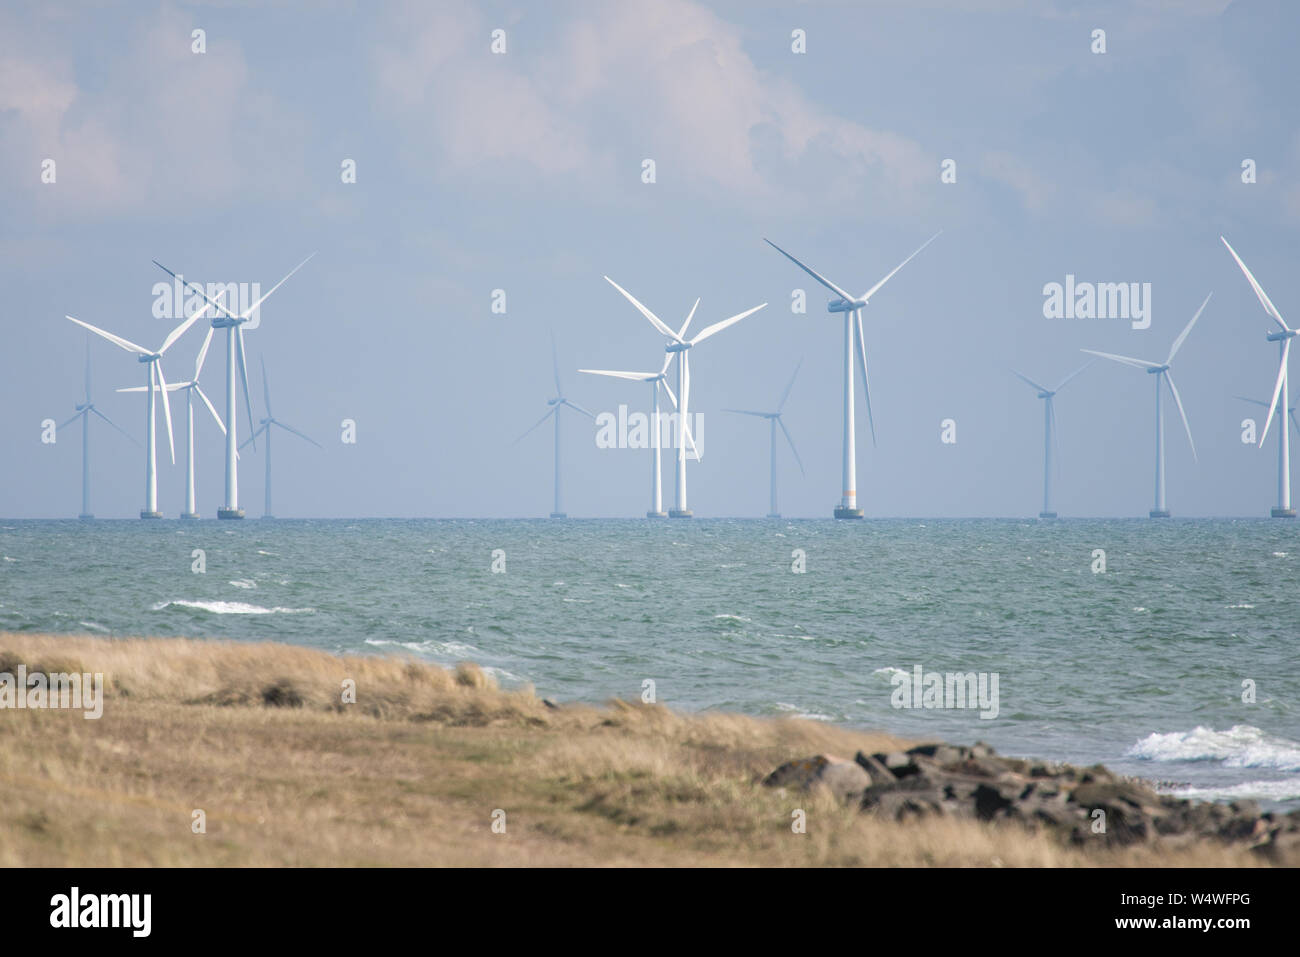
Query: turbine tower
1161,371
1049,431
84,411
264,428
1283,338
656,380
153,364
774,420
678,343
234,326
556,404
191,387
852,307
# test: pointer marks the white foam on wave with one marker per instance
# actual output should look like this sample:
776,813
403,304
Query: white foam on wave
891,672
1246,791
1241,746
233,608
800,713
734,618
244,583
93,626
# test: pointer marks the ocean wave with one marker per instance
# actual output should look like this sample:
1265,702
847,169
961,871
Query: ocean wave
244,583
232,608
891,671
1241,746
798,712
1246,791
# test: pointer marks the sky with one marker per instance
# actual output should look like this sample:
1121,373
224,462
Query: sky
522,172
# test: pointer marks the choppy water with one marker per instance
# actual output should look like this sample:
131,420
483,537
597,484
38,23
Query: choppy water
1141,667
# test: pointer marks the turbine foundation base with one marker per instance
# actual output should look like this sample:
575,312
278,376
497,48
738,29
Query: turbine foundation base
1159,513
1283,513
680,513
86,518
843,512
145,513
189,516
773,514
1047,515
225,511
558,515
653,514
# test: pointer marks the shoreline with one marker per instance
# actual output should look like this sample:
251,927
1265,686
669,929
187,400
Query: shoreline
259,744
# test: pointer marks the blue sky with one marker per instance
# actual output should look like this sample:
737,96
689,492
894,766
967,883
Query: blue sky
522,172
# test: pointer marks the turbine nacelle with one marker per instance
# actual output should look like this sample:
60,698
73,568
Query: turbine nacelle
1279,336
151,357
1156,370
677,347
845,305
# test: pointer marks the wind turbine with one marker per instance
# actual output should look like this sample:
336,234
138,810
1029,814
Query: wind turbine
679,344
774,420
656,379
84,411
152,361
264,427
852,307
1283,338
191,388
556,404
234,326
1161,371
1290,413
1049,430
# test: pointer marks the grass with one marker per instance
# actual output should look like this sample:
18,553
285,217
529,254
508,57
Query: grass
257,737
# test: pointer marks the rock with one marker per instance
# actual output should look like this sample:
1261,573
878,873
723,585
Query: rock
847,780
876,769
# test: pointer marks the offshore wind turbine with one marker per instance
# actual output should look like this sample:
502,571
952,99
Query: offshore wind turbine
1049,430
556,404
264,428
153,363
191,387
1281,461
1283,338
234,326
1161,371
852,307
84,411
656,380
679,344
773,420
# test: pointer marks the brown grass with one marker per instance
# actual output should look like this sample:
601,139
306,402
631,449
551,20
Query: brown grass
257,737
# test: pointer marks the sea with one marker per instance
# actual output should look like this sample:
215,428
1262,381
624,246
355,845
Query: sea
1163,649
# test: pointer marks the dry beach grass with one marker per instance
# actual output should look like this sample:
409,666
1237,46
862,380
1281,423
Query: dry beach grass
256,736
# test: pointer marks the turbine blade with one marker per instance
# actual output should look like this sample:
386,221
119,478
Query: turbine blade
578,408
866,380
1182,336
866,296
685,359
555,366
211,408
654,320
669,390
691,315
1135,363
126,344
1262,405
243,378
266,389
167,409
816,275
300,435
1277,389
180,330
761,415
203,353
549,412
1295,421
253,308
635,376
792,448
719,326
1260,294
1182,412
133,439
262,428
1029,382
215,303
1072,375
71,420
790,385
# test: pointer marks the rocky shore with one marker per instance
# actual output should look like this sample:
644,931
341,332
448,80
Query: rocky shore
1080,806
